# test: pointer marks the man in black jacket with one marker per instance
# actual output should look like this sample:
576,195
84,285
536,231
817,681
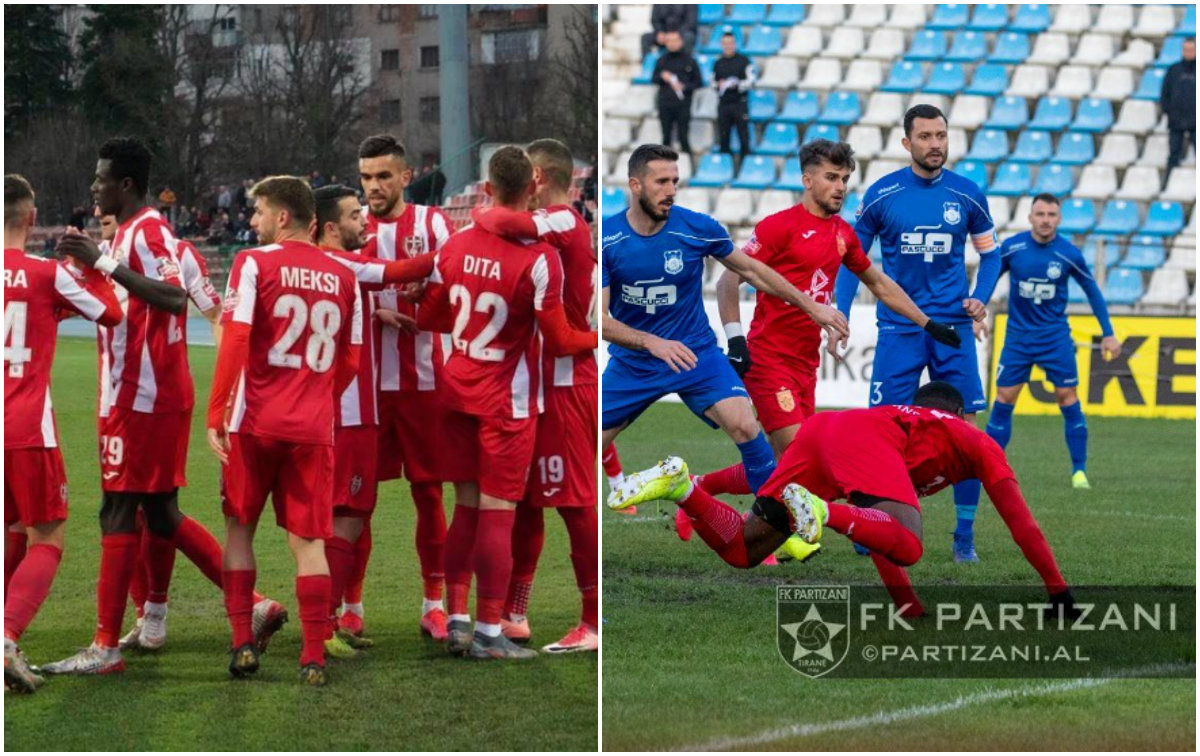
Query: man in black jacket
1178,101
669,18
677,75
733,75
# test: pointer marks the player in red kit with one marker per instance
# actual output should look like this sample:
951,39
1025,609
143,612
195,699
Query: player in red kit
409,373
880,460
37,293
564,466
292,320
493,295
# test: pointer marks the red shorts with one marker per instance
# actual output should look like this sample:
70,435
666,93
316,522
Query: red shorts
835,454
782,395
142,452
564,457
355,483
35,486
417,440
298,478
498,455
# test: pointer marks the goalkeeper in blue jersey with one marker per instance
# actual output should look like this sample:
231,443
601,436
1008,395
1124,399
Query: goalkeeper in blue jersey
922,216
1038,262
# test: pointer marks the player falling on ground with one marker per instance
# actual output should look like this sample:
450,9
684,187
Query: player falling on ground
661,342
779,358
880,460
922,216
563,476
37,292
292,325
409,369
494,296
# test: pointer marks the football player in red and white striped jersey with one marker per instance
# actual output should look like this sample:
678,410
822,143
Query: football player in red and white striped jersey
37,293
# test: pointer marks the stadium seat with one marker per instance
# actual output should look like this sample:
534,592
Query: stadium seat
1095,49
790,178
1181,186
1054,179
746,13
637,102
803,42
1150,87
1119,217
1137,117
1167,288
868,16
990,146
893,149
863,76
1114,19
647,71
968,47
989,18
762,40
941,102
780,72
799,107
990,79
1183,257
1032,147
1114,84
1072,19
1031,18
905,76
617,133
1020,215
1096,182
1124,286
1117,150
826,15
785,15
850,207
757,172
1094,115
908,17
969,111
846,43
885,44
880,168
1138,54
1187,25
1011,180
946,78
650,132
1141,183
1078,216
735,141
761,105
1171,52
712,44
1029,81
820,131
867,141
694,198
704,104
715,169
705,63
948,17
822,74
612,201
701,134
958,141
733,207
1073,82
772,201
975,170
709,14
1008,113
1011,47
1050,49
929,44
1052,114
1091,250
685,167
841,108
1145,253
1163,219
778,139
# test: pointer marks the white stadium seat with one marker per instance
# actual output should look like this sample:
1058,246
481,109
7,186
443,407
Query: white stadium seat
998,208
702,134
866,141
1094,50
822,74
637,102
734,207
894,149
773,201
635,14
1051,49
1072,19
1020,217
1114,19
1155,21
883,109
941,102
1073,83
704,104
1114,83
958,142
780,72
1168,288
907,17
1096,182
1182,257
616,133
1029,82
845,43
863,76
1137,117
825,15
694,198
620,171
868,16
1117,150
885,44
650,132
1141,183
1137,55
880,168
1000,293
1181,186
685,165
970,111
803,42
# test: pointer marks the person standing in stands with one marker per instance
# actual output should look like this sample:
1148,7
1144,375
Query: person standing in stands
671,18
733,76
1178,102
677,75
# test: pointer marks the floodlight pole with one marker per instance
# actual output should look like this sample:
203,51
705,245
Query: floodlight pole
454,105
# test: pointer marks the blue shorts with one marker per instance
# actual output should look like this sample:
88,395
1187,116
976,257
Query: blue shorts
628,389
1055,355
901,356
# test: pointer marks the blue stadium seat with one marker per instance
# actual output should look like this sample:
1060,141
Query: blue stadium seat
1093,115
1124,286
928,44
712,45
1008,113
1171,52
711,13
757,172
968,47
735,142
1187,26
778,139
1151,86
947,79
763,40
715,169
1031,18
1054,179
762,105
974,170
612,201
1078,216
1011,47
1119,217
990,146
747,13
821,131
989,18
790,177
1032,147
906,76
1164,219
1144,253
785,15
948,17
1112,250
1075,293
842,108
1052,114
799,107
850,207
991,79
1011,180
648,64
1075,148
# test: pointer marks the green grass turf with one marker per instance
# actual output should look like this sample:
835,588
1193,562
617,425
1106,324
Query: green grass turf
690,654
406,694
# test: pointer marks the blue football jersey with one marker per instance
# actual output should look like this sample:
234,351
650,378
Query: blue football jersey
1038,273
656,282
922,226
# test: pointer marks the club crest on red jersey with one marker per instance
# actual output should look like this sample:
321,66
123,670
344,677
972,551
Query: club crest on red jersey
414,245
356,485
673,261
787,402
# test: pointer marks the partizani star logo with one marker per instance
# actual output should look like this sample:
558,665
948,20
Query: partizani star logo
813,635
813,626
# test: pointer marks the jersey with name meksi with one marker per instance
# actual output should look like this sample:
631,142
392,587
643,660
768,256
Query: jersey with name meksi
494,288
922,226
407,362
36,290
803,249
143,359
304,309
656,283
1038,273
563,228
357,404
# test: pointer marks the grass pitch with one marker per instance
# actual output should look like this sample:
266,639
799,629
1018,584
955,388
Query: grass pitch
690,658
405,694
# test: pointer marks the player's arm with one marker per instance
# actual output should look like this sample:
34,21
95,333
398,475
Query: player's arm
435,313
91,296
731,318
983,237
1110,346
675,353
158,294
989,273
213,316
561,338
351,347
845,288
233,354
898,301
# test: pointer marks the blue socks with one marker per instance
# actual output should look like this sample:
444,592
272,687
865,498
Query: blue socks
999,424
1075,429
758,459
966,501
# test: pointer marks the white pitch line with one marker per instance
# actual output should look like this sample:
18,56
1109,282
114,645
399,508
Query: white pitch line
919,712
1138,515
631,519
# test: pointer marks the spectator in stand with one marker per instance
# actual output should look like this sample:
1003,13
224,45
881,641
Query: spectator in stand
184,221
671,18
166,204
437,187
421,187
1178,102
316,181
733,75
241,201
224,199
677,76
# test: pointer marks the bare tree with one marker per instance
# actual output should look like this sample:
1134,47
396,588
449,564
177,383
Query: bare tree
569,110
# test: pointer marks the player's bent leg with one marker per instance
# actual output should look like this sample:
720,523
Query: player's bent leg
667,480
312,597
339,553
1075,432
895,579
351,619
889,528
15,543
999,424
735,416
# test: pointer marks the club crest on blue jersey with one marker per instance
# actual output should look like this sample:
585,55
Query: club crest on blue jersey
673,261
1054,270
951,213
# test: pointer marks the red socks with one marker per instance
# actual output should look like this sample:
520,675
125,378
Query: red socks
718,524
431,536
362,554
340,554
28,588
118,558
895,579
460,543
14,552
239,604
312,594
528,538
158,561
199,545
493,562
612,464
876,530
731,480
583,530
